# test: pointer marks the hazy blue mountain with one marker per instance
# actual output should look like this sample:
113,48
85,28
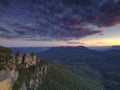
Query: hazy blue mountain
106,62
115,48
29,49
99,48
81,54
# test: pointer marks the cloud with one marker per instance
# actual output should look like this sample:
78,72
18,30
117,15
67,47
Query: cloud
74,43
56,20
5,3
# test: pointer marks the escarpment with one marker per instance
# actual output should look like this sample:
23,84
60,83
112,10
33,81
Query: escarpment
21,72
8,72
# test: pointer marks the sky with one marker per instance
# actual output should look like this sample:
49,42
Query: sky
59,23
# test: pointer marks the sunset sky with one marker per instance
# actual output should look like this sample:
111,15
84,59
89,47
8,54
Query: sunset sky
59,22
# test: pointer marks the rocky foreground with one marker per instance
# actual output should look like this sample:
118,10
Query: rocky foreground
21,72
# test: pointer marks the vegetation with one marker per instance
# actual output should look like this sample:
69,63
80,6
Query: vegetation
89,70
106,63
25,74
5,56
60,78
111,75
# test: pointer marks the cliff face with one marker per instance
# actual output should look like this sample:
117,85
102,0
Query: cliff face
7,79
20,72
8,73
30,78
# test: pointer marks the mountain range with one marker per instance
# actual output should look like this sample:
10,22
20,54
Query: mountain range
44,74
105,62
70,68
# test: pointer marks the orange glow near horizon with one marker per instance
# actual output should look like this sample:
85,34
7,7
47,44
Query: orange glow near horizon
109,43
22,43
110,36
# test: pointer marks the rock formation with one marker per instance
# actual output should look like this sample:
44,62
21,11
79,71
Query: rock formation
8,72
8,78
13,69
19,58
34,59
27,60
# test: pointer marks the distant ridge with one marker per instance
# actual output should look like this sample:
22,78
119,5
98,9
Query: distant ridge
116,47
66,50
70,48
29,49
80,54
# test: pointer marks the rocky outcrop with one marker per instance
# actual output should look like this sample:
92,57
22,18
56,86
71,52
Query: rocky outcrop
29,60
34,59
8,79
43,69
39,69
19,58
8,76
38,76
21,71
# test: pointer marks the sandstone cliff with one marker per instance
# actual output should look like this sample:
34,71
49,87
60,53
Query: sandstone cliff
21,72
27,60
8,73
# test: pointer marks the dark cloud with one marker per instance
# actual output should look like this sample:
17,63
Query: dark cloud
5,2
56,20
78,2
